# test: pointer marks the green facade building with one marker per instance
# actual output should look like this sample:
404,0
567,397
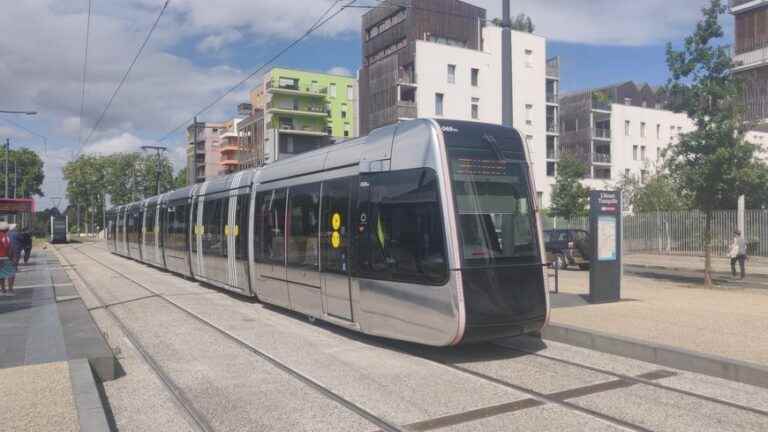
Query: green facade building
302,111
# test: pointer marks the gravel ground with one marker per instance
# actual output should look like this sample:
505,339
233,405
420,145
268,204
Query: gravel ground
37,398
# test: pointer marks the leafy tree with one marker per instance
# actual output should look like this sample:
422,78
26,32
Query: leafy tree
659,193
569,197
180,180
521,22
29,172
713,163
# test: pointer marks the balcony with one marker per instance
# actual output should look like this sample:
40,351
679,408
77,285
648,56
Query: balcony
552,98
230,148
553,67
739,6
229,162
750,59
552,126
306,111
296,89
601,133
601,158
406,77
287,128
406,109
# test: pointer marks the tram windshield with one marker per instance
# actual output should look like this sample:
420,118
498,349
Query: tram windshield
492,196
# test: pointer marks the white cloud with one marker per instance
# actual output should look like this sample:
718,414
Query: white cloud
340,70
12,133
123,143
608,22
216,42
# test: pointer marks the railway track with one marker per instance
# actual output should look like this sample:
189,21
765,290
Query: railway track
184,402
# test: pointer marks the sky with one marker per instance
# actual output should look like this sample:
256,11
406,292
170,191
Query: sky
201,48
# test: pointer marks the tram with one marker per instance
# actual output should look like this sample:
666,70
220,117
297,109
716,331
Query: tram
426,231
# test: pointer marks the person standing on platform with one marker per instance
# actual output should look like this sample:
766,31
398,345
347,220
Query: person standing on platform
26,245
16,244
7,266
738,253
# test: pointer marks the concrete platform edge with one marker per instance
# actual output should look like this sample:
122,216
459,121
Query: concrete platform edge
90,410
635,266
663,355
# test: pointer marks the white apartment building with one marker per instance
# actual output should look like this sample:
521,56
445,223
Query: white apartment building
461,83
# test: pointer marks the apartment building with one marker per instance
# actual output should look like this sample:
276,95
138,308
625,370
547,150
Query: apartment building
453,70
388,77
750,52
203,153
295,111
617,131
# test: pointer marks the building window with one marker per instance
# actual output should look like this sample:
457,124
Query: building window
439,103
551,169
634,152
475,108
475,77
627,173
627,101
332,90
643,175
529,58
658,131
343,114
451,74
529,144
347,130
658,153
314,87
642,130
642,153
627,126
350,92
529,114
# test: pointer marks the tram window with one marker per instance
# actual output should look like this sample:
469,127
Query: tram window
241,221
494,210
214,241
336,199
270,214
304,206
177,227
405,239
149,223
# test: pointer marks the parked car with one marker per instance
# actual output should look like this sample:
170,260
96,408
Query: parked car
568,247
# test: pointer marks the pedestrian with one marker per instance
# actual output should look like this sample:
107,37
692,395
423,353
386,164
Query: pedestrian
26,244
16,244
738,253
7,266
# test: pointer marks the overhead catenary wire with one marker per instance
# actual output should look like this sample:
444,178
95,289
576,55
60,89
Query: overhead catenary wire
85,70
320,22
125,75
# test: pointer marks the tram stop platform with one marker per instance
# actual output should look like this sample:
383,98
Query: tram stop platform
720,331
51,353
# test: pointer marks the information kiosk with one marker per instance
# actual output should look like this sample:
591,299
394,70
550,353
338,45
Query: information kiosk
605,220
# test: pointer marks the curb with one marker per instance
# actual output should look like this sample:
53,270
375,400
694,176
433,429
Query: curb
664,355
689,270
90,410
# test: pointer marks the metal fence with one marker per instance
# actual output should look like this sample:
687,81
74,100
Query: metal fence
682,233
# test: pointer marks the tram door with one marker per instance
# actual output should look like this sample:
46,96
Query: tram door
335,236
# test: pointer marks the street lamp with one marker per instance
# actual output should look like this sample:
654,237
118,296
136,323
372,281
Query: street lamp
18,112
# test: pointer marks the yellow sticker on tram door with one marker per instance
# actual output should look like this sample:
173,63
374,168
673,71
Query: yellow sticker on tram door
336,221
336,240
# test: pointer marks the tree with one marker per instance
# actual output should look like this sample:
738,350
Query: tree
659,193
569,197
29,172
521,22
713,164
180,180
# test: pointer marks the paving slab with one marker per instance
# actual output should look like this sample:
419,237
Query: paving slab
37,398
725,323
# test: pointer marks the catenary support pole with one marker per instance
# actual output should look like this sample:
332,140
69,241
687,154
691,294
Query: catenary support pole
507,109
7,152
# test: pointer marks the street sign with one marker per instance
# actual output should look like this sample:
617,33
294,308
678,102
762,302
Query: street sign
605,219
